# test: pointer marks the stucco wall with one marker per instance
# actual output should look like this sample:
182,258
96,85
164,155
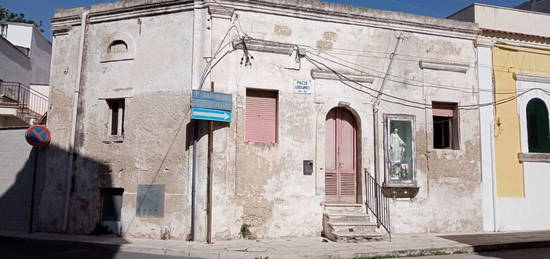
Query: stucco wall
20,34
16,175
520,186
156,85
487,129
266,188
16,66
41,57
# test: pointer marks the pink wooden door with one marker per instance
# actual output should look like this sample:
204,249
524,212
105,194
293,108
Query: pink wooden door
340,167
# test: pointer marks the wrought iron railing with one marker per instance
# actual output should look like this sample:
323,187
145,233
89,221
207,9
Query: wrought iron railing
29,103
378,203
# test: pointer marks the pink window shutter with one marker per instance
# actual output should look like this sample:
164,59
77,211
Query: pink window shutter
261,116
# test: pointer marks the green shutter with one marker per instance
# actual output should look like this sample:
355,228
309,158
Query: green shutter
538,131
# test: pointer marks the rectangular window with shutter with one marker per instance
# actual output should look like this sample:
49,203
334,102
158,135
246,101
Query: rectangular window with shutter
445,126
261,116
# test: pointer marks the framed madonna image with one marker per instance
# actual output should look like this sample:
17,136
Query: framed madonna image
400,150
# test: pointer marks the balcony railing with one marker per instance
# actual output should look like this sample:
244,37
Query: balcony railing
29,103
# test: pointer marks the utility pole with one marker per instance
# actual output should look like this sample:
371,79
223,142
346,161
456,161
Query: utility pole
375,109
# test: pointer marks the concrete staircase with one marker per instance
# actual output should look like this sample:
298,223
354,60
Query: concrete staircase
349,223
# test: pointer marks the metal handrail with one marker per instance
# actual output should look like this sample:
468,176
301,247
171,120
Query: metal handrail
378,203
27,100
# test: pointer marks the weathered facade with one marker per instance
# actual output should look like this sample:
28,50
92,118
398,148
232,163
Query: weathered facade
310,81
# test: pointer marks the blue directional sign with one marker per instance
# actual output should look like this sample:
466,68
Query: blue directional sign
210,115
212,100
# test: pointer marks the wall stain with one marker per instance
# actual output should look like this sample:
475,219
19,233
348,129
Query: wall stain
282,30
326,43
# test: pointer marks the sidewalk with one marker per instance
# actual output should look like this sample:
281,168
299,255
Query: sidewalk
401,245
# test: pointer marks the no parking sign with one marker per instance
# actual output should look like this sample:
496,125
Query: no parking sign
38,136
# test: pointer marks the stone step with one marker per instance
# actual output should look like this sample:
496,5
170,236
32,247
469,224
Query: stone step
356,236
348,217
353,227
344,208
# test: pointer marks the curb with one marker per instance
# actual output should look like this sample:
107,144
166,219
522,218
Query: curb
132,248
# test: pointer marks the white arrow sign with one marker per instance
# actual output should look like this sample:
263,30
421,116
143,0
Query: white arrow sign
215,115
212,115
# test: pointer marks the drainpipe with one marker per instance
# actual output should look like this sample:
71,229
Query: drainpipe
209,179
194,179
72,139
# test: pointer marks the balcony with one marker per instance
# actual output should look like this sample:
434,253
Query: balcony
20,105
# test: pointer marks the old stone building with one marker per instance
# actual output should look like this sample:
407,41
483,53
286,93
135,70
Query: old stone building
329,102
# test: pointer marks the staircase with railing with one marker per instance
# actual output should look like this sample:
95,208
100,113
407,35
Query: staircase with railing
378,203
30,106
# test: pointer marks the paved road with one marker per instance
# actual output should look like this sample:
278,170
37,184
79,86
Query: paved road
10,249
541,253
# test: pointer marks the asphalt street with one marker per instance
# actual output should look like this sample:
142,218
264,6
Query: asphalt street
10,249
540,253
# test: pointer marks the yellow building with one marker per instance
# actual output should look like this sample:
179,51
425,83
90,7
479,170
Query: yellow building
514,84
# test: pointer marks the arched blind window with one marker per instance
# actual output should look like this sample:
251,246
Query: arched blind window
538,131
118,46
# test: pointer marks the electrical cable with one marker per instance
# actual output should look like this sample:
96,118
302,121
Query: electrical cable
415,104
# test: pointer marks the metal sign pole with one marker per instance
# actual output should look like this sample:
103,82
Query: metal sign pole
209,178
31,220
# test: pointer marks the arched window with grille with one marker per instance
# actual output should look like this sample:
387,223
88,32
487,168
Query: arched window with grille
538,127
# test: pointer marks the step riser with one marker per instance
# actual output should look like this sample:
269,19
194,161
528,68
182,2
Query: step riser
344,210
348,218
357,239
354,229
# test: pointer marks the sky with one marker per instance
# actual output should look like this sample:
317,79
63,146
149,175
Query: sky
43,10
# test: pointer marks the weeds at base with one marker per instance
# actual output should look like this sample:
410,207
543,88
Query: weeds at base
414,254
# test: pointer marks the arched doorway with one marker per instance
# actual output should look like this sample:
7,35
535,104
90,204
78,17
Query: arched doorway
341,156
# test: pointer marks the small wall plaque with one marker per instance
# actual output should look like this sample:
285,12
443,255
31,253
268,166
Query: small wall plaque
302,86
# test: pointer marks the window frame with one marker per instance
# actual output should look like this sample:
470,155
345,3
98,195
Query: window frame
121,110
388,119
527,88
276,93
454,124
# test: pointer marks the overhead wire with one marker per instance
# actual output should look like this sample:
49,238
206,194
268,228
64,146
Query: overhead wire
407,81
393,78
411,103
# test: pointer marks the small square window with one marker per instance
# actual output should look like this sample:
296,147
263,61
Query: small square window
445,125
116,117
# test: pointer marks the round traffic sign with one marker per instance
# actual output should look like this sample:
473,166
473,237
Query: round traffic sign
38,136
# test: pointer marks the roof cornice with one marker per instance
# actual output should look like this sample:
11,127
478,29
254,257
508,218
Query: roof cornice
304,9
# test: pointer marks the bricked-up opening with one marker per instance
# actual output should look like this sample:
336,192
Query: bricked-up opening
538,131
261,116
116,107
445,126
